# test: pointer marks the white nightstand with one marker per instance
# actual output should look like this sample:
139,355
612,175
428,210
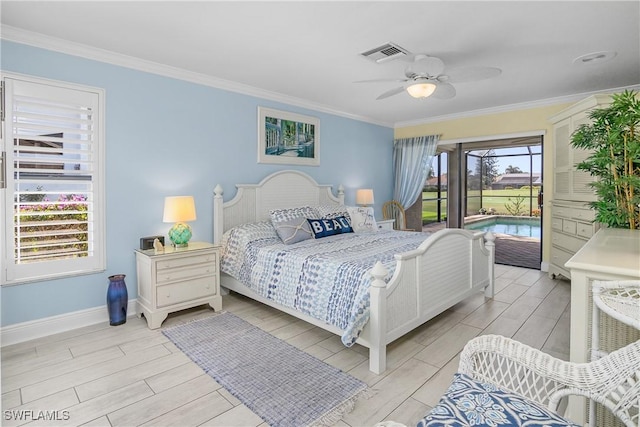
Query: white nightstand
176,279
385,224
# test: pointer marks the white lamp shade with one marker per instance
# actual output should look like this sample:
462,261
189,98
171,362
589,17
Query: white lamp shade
364,196
179,209
421,90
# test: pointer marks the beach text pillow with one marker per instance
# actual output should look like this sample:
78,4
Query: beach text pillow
324,227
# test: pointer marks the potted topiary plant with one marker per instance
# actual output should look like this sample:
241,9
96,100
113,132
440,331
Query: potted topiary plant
614,138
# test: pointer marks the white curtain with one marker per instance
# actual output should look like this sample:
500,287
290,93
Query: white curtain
411,165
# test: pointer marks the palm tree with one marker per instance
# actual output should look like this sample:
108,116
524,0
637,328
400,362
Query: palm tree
512,169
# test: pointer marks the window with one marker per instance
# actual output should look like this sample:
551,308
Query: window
434,193
53,150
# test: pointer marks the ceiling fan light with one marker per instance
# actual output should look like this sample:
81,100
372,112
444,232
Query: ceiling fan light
421,90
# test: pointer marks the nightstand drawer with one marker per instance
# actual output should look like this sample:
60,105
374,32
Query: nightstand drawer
187,260
172,275
385,224
181,292
556,223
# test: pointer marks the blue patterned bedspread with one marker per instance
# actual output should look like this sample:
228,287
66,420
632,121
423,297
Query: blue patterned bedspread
327,278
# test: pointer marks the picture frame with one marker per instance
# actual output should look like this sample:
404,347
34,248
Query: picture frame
288,138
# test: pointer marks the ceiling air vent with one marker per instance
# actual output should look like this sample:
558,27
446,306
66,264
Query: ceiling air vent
385,52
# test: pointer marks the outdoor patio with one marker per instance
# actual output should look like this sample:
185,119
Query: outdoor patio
510,250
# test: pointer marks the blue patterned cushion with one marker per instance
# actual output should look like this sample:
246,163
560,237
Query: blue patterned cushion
294,230
471,403
279,215
329,227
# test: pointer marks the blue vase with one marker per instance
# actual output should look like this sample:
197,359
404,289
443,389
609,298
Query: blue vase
117,300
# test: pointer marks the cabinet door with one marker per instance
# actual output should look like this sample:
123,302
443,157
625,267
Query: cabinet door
580,187
562,159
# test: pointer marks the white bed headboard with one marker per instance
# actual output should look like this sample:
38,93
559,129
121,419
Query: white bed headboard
283,189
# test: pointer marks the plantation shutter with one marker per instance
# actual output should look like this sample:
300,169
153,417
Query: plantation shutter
53,205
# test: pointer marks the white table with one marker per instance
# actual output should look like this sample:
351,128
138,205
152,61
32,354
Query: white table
611,254
177,278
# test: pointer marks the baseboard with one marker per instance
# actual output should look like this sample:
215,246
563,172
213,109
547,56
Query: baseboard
25,331
544,266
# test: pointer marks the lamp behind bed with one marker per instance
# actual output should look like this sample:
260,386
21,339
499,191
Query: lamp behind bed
364,197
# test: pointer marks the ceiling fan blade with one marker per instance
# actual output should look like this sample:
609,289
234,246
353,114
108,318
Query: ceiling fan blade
444,91
472,74
382,81
391,92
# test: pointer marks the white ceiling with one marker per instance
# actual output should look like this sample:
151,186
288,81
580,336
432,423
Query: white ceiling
308,53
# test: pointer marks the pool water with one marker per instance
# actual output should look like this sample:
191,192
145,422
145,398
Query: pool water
525,227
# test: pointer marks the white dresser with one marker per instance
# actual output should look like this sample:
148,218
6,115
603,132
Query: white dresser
571,215
572,226
177,278
611,254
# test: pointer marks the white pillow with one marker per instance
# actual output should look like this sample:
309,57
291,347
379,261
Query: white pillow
362,220
332,211
279,215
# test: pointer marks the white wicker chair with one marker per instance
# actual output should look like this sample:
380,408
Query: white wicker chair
621,301
613,381
618,299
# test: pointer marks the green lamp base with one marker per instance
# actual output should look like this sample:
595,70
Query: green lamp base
180,234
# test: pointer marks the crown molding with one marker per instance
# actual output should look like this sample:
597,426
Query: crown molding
511,107
38,40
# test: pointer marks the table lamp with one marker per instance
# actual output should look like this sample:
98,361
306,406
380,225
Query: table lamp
364,197
179,209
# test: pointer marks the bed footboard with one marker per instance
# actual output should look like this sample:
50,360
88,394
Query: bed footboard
448,267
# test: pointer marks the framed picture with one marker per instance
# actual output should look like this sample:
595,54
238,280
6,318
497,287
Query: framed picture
288,138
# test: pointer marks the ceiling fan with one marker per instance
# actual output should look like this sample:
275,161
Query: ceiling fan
425,78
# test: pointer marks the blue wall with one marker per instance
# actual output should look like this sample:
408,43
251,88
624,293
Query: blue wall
170,137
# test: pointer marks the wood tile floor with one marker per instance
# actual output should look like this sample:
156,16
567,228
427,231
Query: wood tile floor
130,375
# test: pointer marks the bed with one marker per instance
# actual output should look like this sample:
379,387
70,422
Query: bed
401,291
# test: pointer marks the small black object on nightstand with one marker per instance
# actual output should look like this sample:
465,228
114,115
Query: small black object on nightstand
147,242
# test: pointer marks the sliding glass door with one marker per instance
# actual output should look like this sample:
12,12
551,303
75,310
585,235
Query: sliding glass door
434,194
504,181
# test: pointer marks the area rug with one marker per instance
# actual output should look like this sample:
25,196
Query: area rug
518,251
283,385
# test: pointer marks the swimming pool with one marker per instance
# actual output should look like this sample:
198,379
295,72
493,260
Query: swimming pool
515,226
